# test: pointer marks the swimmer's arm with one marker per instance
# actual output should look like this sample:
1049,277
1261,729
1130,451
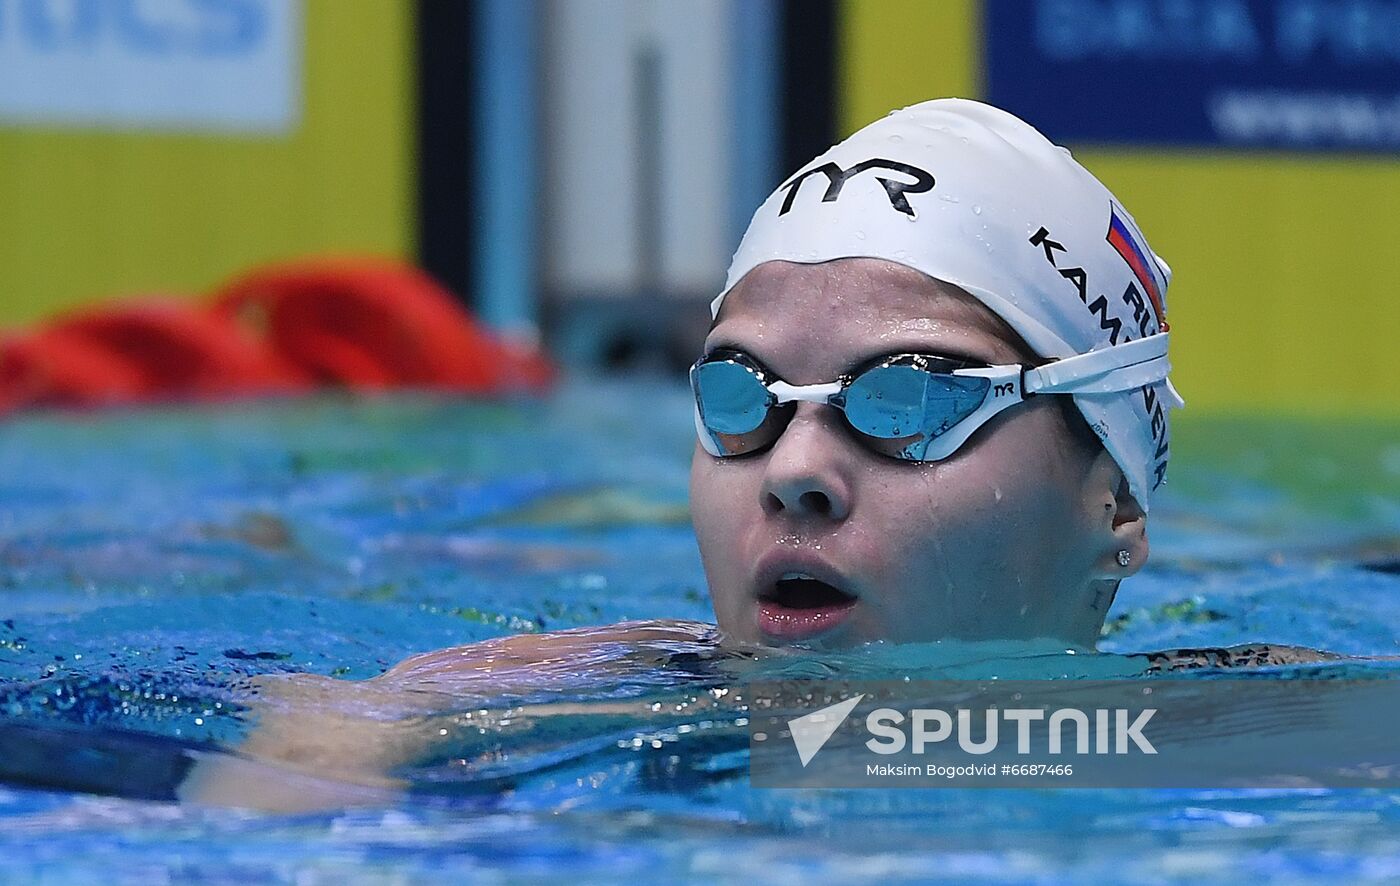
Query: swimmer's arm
315,743
326,742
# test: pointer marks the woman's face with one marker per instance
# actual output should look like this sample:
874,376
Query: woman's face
1003,539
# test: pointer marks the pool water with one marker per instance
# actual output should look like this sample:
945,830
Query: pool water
154,561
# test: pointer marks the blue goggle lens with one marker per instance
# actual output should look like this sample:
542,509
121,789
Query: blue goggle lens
913,405
732,397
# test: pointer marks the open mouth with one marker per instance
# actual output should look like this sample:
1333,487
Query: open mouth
797,590
798,606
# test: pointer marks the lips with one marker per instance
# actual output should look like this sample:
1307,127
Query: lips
798,601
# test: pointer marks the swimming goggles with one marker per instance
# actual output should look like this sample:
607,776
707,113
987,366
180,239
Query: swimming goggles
915,407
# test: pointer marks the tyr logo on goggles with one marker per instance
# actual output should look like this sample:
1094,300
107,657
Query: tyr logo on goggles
915,407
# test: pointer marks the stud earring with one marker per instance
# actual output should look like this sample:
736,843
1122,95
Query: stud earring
1124,558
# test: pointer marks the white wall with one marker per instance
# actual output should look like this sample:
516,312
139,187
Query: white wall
595,233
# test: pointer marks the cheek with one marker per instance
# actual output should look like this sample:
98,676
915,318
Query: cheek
717,497
999,514
935,526
700,494
1036,528
1028,462
716,508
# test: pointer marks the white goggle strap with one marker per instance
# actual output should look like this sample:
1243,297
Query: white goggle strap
1118,368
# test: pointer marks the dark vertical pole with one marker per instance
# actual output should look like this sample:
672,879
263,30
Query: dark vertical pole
808,78
447,225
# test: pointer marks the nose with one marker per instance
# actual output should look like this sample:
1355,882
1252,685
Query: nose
803,478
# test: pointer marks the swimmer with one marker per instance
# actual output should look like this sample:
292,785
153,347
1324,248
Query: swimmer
933,405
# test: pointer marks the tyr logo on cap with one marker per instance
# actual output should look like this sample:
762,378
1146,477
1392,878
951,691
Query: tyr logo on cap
836,179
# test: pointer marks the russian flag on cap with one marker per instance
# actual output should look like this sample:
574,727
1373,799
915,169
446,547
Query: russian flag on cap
1132,246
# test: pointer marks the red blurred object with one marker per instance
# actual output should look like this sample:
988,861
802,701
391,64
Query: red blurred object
49,368
374,324
363,323
143,351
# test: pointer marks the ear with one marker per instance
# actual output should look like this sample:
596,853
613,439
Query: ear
1118,523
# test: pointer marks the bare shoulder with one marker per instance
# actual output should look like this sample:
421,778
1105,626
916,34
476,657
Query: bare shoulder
502,655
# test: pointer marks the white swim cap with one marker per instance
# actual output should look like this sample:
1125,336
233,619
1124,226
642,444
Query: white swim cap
976,197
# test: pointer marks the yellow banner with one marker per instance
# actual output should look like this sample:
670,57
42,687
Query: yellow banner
86,214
